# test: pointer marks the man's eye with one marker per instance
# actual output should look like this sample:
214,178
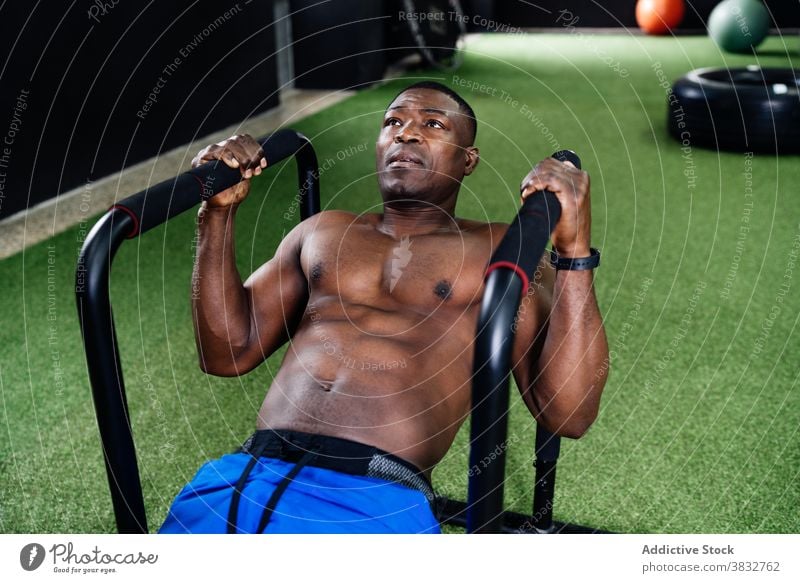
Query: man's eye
392,121
435,123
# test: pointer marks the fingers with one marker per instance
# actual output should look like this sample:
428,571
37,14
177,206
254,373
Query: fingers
557,177
571,186
240,151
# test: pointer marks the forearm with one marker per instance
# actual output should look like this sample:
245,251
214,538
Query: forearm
573,362
219,300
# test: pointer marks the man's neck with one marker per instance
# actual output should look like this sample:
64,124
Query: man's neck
401,220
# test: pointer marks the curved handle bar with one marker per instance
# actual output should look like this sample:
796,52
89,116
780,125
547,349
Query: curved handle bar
160,202
130,218
507,279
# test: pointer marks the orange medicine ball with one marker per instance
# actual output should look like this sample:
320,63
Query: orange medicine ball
659,16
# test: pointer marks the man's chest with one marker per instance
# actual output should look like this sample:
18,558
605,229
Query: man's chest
424,272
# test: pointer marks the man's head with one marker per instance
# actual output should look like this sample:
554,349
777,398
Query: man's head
425,147
464,108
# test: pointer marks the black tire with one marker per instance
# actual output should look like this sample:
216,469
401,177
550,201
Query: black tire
438,39
748,109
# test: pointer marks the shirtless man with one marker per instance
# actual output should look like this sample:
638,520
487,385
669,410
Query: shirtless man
381,313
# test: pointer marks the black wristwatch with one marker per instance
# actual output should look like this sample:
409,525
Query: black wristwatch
575,263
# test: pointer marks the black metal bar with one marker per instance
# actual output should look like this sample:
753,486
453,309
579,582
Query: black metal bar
308,178
105,370
130,218
510,269
548,447
490,401
160,202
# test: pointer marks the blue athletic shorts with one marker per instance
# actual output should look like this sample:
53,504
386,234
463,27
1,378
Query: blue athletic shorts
315,500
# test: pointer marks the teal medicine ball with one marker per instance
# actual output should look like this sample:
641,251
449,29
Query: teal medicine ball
738,25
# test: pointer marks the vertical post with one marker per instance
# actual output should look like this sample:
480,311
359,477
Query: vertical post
307,178
489,424
548,447
510,270
129,219
105,370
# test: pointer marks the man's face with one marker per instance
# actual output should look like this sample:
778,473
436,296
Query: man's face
424,148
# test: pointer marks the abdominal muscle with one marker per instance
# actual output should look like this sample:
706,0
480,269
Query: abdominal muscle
397,381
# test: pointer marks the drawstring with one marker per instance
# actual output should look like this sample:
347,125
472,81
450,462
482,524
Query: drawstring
233,513
278,492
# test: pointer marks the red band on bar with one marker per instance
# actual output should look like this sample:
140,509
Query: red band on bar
513,267
132,215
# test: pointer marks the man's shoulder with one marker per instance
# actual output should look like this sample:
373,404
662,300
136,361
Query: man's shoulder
322,219
328,223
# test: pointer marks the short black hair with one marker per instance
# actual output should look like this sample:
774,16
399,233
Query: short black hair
463,106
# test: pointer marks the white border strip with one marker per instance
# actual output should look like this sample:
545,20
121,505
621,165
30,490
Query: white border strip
55,215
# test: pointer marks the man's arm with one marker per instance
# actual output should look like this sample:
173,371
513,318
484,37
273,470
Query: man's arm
238,325
561,352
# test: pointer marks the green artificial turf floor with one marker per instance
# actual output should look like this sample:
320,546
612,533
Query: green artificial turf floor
698,430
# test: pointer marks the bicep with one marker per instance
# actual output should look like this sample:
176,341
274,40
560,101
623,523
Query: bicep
277,293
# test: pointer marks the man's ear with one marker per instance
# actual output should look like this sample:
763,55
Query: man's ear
473,156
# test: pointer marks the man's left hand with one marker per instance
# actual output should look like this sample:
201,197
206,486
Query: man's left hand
571,237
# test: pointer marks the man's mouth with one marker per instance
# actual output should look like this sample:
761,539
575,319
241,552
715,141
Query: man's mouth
404,160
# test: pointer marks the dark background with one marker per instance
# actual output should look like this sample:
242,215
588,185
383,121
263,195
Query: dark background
87,79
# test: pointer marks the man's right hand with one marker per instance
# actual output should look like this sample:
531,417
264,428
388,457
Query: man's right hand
240,151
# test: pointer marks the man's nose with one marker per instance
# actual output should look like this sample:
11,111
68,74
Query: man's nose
408,133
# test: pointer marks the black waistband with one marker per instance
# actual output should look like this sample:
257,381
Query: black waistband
341,455
333,453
